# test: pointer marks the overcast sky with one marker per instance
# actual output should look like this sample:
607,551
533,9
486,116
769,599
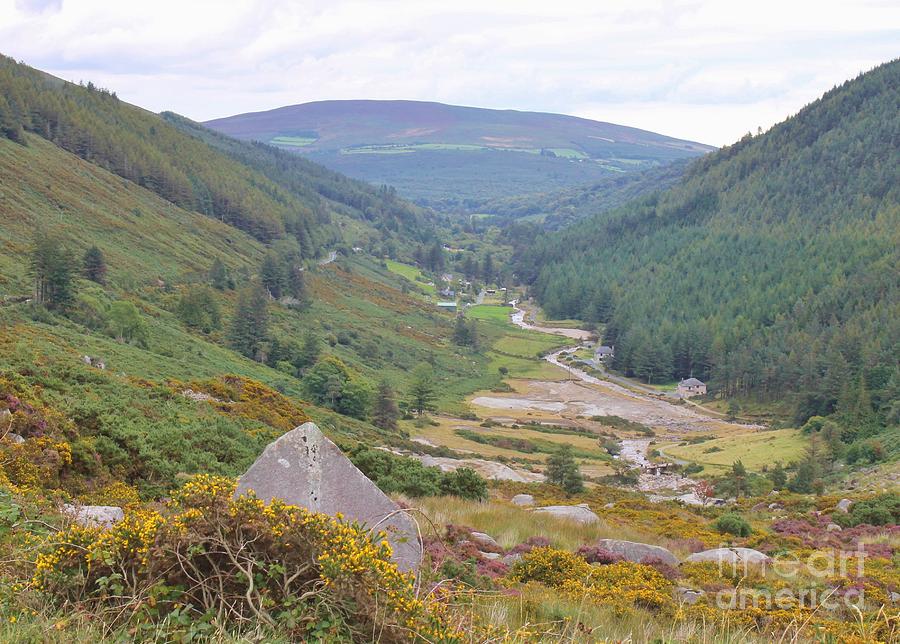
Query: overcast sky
707,70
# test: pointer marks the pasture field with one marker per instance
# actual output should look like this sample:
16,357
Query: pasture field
411,273
754,448
293,141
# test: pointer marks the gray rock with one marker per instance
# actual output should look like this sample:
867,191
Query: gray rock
731,556
94,516
609,506
306,469
511,558
833,527
15,438
844,505
776,506
689,595
523,499
637,552
484,539
579,513
895,597
490,556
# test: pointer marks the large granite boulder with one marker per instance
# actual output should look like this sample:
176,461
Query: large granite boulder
523,499
94,516
731,556
637,552
580,513
306,469
844,505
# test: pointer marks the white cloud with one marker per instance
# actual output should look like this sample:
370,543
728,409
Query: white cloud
700,69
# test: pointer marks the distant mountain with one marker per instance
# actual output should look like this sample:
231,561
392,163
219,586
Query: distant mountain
770,268
445,153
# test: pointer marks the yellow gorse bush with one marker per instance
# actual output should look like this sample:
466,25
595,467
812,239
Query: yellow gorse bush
236,561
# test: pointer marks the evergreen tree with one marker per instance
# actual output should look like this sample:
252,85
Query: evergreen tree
52,271
197,308
778,476
563,471
218,276
250,324
422,389
271,275
296,284
487,269
739,478
385,412
309,351
94,265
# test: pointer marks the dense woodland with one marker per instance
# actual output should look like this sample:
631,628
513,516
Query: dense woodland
771,269
257,189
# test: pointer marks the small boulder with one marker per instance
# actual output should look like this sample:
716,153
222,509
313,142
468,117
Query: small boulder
511,558
776,506
609,506
94,516
689,595
304,468
895,598
833,527
15,438
637,552
844,505
484,539
523,499
490,556
579,513
731,556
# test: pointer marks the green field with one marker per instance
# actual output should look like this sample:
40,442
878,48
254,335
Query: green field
293,141
754,449
411,273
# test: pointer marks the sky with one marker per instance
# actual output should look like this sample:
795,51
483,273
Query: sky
705,70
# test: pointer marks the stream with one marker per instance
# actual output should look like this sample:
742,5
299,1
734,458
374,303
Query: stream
661,486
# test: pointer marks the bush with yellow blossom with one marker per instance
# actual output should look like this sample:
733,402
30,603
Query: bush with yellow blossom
233,562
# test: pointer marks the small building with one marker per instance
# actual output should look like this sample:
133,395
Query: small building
448,292
447,306
604,353
691,387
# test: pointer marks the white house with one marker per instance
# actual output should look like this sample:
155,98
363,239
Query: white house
691,387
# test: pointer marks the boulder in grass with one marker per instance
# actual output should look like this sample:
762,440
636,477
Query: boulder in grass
731,556
637,552
523,499
844,505
484,539
579,513
304,468
94,516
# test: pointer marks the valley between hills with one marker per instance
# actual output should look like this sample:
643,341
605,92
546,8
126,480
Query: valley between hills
247,398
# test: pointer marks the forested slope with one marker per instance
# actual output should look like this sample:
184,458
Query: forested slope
771,268
249,187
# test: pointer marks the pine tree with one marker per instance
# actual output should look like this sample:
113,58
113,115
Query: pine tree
309,352
94,265
52,271
487,269
271,275
218,276
562,471
385,412
249,326
422,389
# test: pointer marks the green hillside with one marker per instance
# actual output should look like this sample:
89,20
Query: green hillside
450,156
771,269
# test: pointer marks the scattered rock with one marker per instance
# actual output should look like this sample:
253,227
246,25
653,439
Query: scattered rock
833,527
579,513
15,438
895,598
484,539
93,516
609,506
776,506
304,468
689,595
731,556
523,499
844,505
637,552
511,558
490,556
199,396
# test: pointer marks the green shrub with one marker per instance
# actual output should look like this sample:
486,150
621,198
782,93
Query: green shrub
732,523
883,509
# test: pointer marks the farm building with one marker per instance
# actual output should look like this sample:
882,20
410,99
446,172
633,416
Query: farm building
604,353
447,306
691,387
